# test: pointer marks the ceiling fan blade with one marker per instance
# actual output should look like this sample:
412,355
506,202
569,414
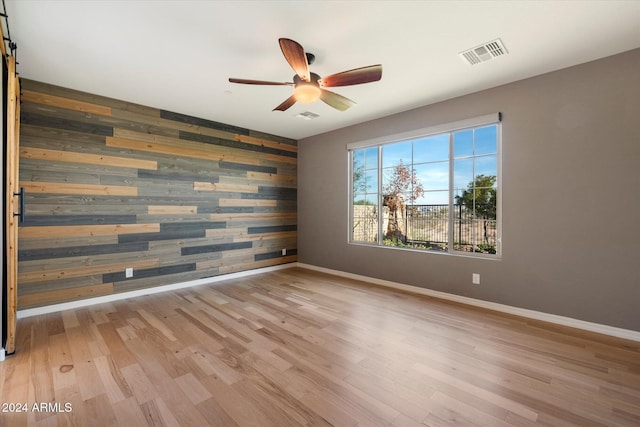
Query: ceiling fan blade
259,82
294,54
336,101
286,104
357,76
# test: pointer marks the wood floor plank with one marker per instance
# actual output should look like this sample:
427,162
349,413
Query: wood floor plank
42,379
295,347
61,363
142,388
113,390
174,400
193,389
215,415
128,412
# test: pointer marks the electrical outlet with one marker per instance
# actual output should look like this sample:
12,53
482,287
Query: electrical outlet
475,278
128,272
284,252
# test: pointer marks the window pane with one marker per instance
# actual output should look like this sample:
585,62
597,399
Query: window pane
463,234
365,219
486,203
431,149
392,154
477,202
396,180
433,176
486,140
365,199
358,177
371,158
358,159
393,217
463,173
487,166
371,180
485,237
463,143
387,179
427,225
435,198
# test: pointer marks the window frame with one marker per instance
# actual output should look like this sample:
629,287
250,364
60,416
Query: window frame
450,128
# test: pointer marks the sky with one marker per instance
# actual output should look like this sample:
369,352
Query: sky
474,153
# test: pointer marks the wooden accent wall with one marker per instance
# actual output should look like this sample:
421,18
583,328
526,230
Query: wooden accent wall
112,185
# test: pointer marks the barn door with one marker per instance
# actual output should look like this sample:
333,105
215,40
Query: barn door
15,200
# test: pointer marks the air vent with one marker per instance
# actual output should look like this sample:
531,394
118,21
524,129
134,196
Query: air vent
484,52
308,115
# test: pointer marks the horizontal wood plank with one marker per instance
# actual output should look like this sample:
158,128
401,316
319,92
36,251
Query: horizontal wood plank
247,203
87,270
85,230
78,188
155,147
252,237
257,216
70,104
242,262
242,234
172,210
92,159
289,179
265,143
234,188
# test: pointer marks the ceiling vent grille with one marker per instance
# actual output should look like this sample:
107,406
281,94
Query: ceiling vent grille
484,52
308,115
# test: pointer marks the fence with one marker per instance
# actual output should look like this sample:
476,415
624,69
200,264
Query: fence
427,227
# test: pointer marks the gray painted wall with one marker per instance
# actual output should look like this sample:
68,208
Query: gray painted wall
571,196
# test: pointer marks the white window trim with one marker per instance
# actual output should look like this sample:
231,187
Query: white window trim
487,119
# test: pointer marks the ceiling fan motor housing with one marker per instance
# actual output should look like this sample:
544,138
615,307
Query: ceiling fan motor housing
310,58
315,80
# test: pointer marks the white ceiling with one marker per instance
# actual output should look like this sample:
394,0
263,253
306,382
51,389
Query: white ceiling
178,55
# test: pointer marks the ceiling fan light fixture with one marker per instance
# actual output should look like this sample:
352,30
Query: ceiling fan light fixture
306,92
308,86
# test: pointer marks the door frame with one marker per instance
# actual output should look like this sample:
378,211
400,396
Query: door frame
12,206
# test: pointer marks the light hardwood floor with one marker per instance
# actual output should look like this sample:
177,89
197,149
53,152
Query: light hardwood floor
296,347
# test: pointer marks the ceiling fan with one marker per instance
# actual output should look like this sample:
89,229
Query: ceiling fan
308,86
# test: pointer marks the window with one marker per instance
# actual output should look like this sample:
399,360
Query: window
433,190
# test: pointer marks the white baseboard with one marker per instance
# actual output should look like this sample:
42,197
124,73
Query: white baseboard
148,291
2,354
523,312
